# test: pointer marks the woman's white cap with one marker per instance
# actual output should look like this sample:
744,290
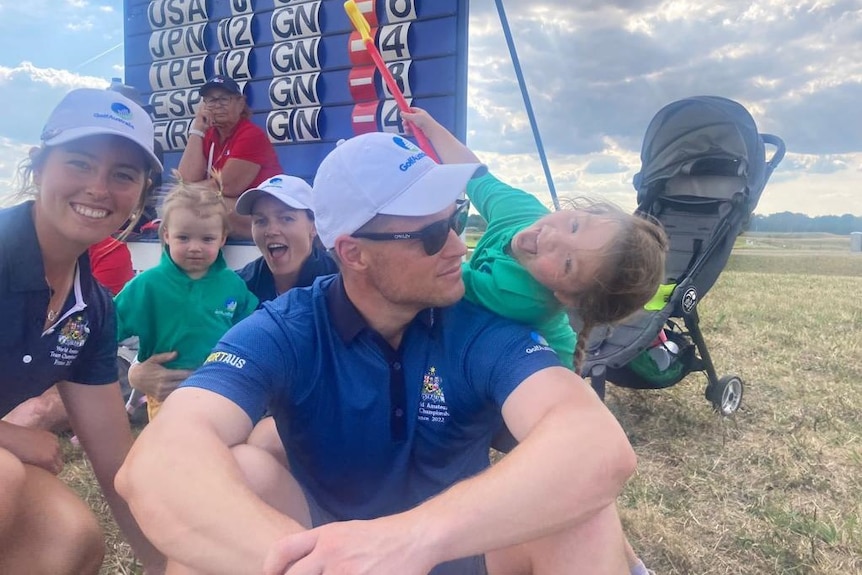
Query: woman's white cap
289,190
90,112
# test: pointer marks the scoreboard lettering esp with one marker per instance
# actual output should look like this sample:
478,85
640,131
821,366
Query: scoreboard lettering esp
303,68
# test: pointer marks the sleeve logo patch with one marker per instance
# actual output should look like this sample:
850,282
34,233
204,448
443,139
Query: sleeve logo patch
541,343
224,357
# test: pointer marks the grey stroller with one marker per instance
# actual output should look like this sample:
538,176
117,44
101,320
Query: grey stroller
703,169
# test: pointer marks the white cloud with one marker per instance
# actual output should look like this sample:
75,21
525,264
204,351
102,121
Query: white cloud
77,3
107,9
32,92
53,77
80,25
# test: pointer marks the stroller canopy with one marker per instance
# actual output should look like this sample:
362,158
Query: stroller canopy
703,135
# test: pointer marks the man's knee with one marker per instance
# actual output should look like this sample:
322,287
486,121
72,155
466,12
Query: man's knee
258,466
82,544
270,481
594,545
13,478
265,436
54,531
45,411
74,533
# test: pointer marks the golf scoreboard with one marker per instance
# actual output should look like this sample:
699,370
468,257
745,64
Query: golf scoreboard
304,70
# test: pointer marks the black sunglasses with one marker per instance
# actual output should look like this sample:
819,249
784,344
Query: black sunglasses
433,235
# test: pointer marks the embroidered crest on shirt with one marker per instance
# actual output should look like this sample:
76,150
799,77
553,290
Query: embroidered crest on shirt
75,332
70,340
432,403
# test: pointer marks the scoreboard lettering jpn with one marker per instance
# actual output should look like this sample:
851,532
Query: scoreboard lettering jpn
178,42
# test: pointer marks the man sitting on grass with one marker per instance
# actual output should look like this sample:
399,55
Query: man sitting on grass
387,389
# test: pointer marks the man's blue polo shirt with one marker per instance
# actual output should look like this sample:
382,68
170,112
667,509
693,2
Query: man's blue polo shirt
372,431
81,347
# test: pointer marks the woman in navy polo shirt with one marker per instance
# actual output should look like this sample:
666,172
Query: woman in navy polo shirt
88,177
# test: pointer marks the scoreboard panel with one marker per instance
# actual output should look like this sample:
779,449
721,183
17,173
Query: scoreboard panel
305,72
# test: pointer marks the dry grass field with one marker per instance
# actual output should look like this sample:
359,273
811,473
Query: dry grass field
775,489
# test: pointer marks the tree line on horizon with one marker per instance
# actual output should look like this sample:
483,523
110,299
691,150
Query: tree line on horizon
782,222
791,222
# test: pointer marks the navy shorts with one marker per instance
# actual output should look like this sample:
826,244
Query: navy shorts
467,566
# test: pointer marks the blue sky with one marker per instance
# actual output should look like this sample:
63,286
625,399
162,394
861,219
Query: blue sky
597,71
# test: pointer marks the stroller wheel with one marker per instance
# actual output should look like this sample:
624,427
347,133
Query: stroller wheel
726,394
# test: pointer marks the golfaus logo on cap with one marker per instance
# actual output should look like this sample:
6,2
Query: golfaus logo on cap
275,180
406,144
119,113
121,110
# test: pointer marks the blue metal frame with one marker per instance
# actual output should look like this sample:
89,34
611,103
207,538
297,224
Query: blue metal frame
510,42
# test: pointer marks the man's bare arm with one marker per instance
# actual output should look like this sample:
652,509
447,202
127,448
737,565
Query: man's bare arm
189,495
573,460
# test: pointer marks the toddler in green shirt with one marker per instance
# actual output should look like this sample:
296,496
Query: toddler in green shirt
191,298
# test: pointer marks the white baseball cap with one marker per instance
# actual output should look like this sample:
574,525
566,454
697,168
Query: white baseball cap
90,112
380,173
289,190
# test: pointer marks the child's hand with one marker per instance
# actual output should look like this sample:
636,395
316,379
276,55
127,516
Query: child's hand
449,149
419,118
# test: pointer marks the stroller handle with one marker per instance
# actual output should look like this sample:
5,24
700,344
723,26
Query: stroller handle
779,150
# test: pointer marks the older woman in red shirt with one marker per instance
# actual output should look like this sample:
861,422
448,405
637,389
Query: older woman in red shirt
223,138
